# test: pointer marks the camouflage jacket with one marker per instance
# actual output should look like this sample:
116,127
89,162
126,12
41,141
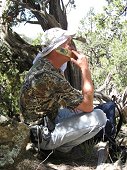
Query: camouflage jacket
44,91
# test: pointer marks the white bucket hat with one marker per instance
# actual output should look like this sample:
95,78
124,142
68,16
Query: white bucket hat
52,39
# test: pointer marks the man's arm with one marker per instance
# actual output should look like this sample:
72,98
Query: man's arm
87,85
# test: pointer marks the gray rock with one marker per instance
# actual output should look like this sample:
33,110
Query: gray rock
14,137
3,119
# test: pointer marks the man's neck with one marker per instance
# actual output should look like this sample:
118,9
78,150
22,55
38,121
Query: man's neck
56,60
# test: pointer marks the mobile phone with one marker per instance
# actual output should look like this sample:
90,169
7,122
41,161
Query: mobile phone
64,51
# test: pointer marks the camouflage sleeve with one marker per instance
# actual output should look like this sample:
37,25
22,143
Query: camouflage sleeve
67,96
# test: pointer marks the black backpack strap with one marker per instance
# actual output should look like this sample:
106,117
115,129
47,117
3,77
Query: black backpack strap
118,127
120,121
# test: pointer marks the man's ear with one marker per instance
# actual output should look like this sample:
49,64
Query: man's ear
73,44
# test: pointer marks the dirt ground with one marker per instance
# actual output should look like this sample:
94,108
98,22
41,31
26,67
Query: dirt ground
30,160
88,162
85,163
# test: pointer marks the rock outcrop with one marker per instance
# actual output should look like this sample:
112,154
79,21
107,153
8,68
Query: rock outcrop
14,137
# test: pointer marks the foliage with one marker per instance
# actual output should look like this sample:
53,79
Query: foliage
45,13
118,63
106,43
37,40
10,83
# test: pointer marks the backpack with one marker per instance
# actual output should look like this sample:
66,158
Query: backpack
112,127
41,131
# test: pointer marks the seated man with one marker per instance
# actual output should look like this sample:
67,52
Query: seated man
45,91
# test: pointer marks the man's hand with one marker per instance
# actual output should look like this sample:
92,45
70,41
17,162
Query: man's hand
81,61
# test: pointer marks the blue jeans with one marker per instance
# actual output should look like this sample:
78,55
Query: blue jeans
73,128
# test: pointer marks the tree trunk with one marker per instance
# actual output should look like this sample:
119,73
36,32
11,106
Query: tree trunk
21,53
73,75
